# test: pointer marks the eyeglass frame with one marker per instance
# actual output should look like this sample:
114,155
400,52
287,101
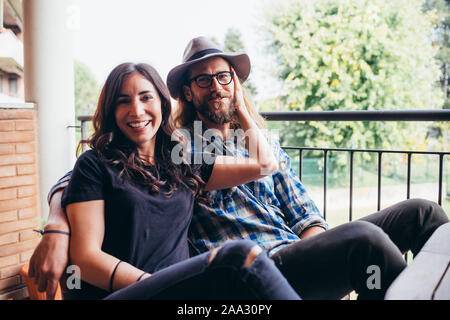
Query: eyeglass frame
212,76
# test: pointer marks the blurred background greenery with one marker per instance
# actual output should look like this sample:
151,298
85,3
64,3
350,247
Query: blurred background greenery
350,55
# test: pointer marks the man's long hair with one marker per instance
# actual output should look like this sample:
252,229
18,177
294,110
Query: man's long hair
115,148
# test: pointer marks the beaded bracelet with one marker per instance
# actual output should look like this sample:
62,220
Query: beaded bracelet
42,232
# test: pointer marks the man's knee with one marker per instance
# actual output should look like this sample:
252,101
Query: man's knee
240,253
426,209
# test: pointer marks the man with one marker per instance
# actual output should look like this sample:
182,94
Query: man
275,212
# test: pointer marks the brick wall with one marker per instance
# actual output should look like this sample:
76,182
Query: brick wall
19,199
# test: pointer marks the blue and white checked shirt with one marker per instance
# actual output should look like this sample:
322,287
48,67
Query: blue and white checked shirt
272,211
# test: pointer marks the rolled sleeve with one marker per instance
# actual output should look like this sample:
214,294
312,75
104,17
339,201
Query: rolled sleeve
299,209
60,185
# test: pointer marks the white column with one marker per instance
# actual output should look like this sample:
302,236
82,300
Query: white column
49,82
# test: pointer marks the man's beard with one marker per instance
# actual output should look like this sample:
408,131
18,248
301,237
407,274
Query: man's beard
218,116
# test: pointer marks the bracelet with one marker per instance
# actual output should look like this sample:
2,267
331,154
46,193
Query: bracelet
112,276
140,277
42,232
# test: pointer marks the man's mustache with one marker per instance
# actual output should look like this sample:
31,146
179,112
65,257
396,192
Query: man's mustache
215,95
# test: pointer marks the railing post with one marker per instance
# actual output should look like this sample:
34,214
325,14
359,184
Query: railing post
83,134
441,167
379,180
408,177
325,154
300,164
350,213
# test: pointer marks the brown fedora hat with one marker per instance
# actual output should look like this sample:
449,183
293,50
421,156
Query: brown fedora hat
199,49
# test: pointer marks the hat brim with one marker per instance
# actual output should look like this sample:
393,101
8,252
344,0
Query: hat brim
239,61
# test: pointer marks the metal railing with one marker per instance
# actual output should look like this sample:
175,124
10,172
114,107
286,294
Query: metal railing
390,115
371,115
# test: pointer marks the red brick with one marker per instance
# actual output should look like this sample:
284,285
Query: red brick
7,205
9,282
17,159
7,194
25,148
9,260
9,238
9,114
8,216
28,235
26,191
27,213
18,225
7,171
25,125
6,148
26,255
17,181
26,169
6,125
9,249
10,271
16,136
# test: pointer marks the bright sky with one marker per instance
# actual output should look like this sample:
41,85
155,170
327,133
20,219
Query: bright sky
108,32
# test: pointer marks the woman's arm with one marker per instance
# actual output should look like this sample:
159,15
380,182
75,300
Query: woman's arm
232,171
87,223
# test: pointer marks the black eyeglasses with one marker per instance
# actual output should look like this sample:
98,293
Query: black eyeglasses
205,80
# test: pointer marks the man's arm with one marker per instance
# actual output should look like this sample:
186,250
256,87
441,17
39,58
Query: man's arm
300,212
311,231
51,256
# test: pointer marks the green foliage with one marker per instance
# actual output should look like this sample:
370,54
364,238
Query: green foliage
233,43
87,90
355,55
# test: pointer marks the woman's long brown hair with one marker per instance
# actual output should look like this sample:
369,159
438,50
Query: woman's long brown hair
114,147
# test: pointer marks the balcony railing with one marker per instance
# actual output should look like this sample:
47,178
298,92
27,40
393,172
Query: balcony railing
389,115
404,115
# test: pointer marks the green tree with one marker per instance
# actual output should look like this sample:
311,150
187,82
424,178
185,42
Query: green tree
233,43
355,55
440,11
87,90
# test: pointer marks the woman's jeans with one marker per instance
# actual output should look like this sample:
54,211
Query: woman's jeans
225,277
364,255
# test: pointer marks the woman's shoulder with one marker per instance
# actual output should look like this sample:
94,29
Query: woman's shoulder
89,155
89,158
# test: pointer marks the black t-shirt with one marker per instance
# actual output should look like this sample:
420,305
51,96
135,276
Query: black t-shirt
147,230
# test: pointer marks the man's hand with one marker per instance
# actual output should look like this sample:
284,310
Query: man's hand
49,262
50,258
239,100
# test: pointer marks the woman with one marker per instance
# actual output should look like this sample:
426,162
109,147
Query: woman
129,206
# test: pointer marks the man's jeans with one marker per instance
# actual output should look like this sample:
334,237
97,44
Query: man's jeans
225,278
364,255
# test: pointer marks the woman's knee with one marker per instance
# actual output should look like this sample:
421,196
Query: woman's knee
239,253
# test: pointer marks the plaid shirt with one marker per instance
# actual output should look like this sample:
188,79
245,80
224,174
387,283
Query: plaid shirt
272,211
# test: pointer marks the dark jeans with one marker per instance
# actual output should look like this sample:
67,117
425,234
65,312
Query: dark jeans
224,278
337,261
